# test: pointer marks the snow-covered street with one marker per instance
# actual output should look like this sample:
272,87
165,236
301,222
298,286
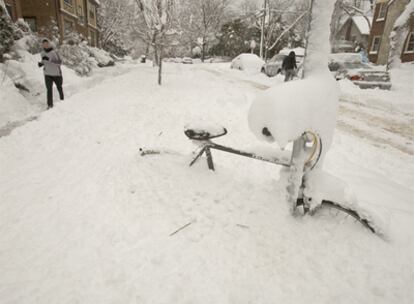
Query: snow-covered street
84,218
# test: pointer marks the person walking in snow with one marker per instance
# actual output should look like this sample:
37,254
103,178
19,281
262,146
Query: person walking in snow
51,63
289,66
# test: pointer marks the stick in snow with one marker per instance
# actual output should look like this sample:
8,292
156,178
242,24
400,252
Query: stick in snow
179,229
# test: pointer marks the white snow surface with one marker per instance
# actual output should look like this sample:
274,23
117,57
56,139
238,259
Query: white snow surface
85,219
20,105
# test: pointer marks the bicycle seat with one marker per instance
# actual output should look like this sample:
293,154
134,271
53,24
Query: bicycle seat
202,134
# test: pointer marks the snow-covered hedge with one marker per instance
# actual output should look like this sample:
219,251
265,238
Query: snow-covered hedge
7,34
102,57
82,58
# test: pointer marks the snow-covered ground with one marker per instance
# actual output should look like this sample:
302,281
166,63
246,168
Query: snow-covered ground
17,106
85,219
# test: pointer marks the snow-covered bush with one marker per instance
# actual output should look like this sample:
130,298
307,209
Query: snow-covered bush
51,32
102,57
29,41
79,56
7,34
75,54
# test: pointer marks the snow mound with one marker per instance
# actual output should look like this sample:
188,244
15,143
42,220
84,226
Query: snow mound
293,108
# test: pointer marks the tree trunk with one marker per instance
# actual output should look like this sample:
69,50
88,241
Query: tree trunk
203,49
160,66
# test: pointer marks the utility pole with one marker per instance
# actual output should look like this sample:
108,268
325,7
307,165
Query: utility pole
263,28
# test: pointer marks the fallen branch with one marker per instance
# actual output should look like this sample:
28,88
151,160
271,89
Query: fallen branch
181,228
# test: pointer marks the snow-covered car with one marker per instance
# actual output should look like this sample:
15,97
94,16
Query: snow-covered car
247,62
187,60
365,75
274,65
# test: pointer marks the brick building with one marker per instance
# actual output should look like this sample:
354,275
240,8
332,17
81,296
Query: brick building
70,15
408,52
385,14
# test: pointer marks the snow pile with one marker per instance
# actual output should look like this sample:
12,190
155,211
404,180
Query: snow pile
289,110
13,105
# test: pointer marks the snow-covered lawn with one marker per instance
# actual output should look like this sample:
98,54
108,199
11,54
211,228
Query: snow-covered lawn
85,219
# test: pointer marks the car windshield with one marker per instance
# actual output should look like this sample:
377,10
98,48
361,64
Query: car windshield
355,65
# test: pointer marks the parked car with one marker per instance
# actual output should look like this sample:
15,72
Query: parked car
187,60
365,75
274,65
247,62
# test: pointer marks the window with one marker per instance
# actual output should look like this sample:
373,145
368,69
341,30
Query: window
410,43
81,11
31,22
375,44
92,12
92,38
68,2
382,11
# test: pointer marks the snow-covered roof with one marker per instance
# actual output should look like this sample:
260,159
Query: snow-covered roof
362,24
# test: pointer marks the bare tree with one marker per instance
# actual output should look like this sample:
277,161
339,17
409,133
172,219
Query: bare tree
284,16
157,26
113,19
203,20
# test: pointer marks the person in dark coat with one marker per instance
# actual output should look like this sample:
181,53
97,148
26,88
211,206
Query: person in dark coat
289,66
51,63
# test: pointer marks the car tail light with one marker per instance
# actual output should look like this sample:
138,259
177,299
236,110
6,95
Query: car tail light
356,77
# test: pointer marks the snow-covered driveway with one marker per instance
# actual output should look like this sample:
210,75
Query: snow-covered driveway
85,219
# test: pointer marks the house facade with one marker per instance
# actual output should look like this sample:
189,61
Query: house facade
70,15
385,14
14,9
355,31
408,52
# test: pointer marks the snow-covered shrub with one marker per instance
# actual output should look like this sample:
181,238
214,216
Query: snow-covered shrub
7,34
75,54
102,57
29,41
51,32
